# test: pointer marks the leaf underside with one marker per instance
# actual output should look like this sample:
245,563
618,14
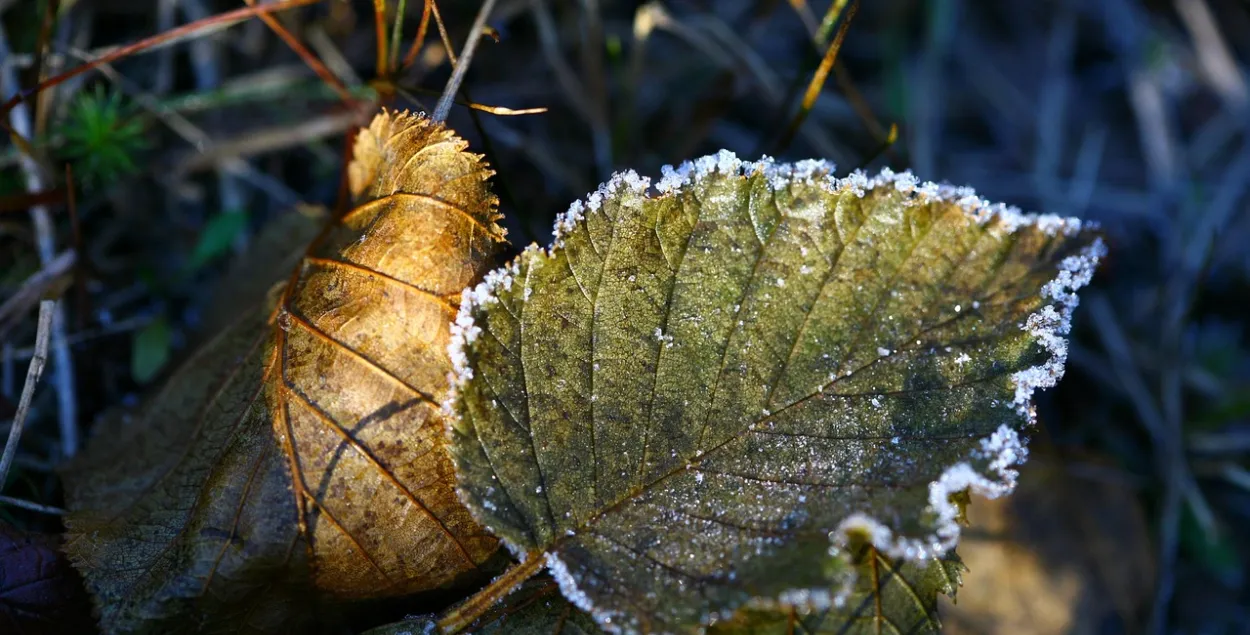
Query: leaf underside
301,451
691,393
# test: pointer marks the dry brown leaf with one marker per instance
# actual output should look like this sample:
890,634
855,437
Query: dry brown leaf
40,594
306,441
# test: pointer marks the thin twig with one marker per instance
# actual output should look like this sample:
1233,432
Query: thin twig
442,33
311,60
419,40
256,142
35,287
462,66
463,616
34,507
42,334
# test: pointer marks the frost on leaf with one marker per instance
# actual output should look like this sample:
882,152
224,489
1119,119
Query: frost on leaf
300,454
883,596
734,460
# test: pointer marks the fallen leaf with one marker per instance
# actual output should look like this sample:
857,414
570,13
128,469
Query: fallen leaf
681,404
303,448
273,253
39,591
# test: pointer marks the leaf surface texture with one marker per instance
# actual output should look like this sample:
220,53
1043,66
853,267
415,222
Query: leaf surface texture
695,397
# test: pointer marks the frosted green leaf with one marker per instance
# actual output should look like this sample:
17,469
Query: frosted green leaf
699,395
888,596
885,596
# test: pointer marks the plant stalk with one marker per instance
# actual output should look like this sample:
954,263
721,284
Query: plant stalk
462,66
463,616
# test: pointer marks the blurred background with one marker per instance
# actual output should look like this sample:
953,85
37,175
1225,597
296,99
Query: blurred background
1133,514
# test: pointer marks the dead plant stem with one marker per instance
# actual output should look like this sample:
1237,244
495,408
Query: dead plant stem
463,616
33,372
462,65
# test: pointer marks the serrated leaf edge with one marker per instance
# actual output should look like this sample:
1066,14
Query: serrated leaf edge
1003,450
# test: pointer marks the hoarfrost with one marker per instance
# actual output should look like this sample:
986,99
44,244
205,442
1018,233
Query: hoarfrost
1052,322
574,594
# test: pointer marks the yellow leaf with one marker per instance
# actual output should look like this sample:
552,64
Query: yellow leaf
302,449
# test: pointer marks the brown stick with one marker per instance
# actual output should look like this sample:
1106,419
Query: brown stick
462,66
463,616
33,372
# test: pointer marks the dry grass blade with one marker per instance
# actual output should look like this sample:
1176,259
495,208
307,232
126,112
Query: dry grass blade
818,80
165,38
22,123
392,64
39,285
34,507
499,111
379,28
315,64
411,56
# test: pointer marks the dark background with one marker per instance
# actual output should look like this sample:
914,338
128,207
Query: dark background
1132,516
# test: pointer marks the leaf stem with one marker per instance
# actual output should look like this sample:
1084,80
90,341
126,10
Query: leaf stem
463,616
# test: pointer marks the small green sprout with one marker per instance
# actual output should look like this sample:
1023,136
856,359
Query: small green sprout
101,137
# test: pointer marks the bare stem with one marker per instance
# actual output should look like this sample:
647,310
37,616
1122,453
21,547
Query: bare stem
463,616
34,507
462,65
28,391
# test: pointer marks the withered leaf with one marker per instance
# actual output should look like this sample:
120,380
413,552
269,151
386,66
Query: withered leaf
694,400
40,593
302,449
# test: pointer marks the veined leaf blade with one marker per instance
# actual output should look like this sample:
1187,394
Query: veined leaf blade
686,399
